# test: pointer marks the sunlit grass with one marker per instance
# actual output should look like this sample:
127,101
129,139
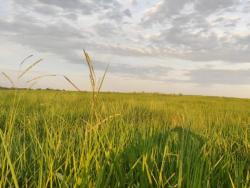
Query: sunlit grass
80,139
159,141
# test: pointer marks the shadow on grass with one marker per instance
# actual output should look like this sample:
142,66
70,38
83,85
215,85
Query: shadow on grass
157,160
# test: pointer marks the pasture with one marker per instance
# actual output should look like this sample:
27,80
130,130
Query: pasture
62,139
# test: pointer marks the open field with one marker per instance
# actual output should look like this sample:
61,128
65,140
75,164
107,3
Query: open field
50,139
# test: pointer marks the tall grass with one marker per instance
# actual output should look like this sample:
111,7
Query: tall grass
81,139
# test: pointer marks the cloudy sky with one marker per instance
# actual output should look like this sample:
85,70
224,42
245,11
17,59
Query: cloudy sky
172,46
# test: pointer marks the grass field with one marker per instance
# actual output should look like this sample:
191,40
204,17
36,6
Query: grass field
52,139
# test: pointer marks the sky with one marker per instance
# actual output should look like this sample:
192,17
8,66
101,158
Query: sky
196,47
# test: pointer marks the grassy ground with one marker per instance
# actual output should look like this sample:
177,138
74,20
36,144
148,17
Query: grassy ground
52,139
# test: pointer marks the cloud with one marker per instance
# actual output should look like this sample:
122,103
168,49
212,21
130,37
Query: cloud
167,41
58,35
200,30
219,76
83,6
133,2
202,76
127,12
86,7
105,29
163,10
63,39
136,71
183,29
116,15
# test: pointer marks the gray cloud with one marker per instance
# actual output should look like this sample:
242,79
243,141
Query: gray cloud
116,15
59,36
199,30
127,12
136,71
48,7
83,6
203,76
62,39
208,7
133,2
45,9
24,25
217,76
164,10
183,29
106,29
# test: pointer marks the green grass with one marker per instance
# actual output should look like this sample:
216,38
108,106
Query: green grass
51,139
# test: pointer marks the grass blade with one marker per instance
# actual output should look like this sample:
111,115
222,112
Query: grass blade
231,180
9,160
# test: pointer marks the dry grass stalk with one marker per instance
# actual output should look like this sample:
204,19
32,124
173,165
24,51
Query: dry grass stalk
102,79
29,68
26,58
91,71
66,78
9,79
96,87
40,77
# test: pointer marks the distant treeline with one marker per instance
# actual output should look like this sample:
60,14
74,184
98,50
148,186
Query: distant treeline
11,88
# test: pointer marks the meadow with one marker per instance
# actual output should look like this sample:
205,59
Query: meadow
60,139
